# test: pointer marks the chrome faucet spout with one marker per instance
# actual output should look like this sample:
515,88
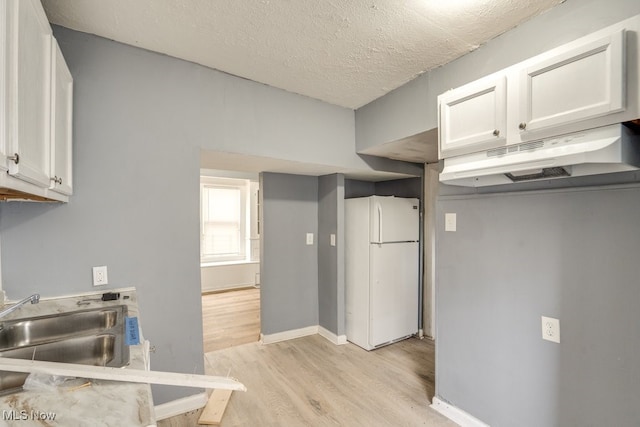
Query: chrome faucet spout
33,299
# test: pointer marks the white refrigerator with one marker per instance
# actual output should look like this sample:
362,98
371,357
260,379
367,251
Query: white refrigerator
381,270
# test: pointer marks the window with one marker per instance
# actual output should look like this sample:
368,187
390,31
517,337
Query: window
223,234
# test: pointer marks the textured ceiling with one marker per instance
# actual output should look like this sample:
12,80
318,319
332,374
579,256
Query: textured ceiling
343,52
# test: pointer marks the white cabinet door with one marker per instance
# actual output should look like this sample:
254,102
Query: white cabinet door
61,123
4,102
582,82
473,117
29,73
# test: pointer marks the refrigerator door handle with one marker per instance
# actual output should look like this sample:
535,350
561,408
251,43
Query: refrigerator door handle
379,224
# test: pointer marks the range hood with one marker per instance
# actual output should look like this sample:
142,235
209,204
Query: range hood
614,148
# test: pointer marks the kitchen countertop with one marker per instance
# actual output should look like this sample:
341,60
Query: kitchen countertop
103,403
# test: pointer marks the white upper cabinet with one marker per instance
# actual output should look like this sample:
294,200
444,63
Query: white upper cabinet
473,117
591,82
61,123
580,83
4,102
29,72
36,94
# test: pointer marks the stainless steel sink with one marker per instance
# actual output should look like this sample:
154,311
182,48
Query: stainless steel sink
90,337
37,330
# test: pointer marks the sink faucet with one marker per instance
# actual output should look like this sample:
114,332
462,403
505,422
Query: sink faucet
34,299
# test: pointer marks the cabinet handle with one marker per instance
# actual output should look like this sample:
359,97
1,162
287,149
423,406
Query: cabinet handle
57,180
522,126
60,180
15,158
496,132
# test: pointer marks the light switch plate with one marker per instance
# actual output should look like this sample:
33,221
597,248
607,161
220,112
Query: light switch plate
333,239
450,222
309,238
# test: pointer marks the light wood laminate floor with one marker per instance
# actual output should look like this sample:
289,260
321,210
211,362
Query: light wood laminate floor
230,318
310,381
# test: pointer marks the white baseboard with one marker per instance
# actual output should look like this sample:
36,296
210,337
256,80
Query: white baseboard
181,406
288,335
303,332
456,415
208,289
337,340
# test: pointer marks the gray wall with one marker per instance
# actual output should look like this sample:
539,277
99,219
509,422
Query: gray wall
135,207
331,258
356,188
407,187
568,254
411,109
302,285
140,120
402,112
289,267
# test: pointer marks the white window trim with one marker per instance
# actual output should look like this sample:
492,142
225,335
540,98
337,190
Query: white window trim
243,186
223,263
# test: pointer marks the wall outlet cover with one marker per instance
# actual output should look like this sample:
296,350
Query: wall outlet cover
309,238
100,276
551,329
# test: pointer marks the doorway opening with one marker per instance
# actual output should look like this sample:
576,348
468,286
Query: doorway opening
229,258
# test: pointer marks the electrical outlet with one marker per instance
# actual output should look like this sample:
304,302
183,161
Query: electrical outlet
309,238
100,276
550,329
332,239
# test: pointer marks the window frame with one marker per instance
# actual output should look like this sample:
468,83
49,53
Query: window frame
242,185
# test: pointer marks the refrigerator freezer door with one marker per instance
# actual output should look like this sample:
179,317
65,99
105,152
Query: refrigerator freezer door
394,292
393,219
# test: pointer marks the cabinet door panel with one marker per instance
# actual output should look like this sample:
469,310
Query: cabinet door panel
30,86
61,123
582,83
473,117
4,102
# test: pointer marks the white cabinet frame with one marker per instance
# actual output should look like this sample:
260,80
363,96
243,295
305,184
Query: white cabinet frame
61,123
4,102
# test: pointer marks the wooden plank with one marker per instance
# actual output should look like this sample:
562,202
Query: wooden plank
119,374
213,412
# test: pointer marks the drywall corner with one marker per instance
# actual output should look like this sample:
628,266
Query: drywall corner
289,266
